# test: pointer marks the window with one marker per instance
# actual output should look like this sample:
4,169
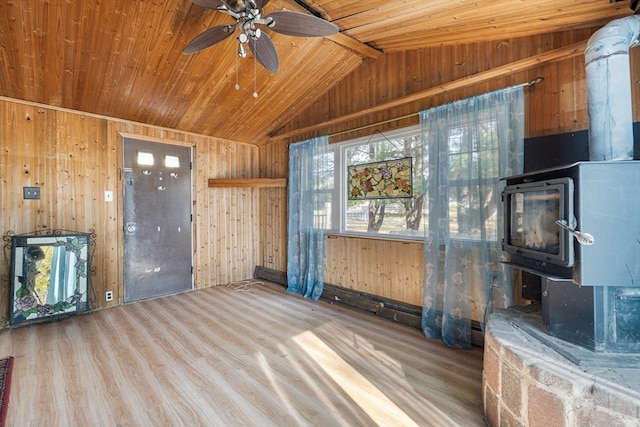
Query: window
472,153
383,217
472,180
171,161
323,214
145,158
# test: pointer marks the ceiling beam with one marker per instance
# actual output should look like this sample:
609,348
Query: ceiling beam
362,49
355,46
474,79
309,8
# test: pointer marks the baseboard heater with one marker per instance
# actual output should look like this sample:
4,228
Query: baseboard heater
406,314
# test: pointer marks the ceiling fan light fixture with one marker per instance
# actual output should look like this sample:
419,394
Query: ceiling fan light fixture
242,52
248,14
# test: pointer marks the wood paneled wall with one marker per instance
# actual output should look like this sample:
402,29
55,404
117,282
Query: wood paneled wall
562,95
400,74
387,268
273,207
227,219
556,106
75,157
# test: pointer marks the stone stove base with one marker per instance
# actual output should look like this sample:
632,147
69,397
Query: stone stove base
535,380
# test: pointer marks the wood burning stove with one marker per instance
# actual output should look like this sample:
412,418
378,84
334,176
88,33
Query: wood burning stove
590,288
603,319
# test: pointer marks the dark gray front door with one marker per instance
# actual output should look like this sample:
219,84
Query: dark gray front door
157,219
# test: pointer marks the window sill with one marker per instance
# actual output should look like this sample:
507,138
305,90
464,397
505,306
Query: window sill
392,238
412,239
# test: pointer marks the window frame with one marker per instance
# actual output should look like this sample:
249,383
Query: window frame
339,199
339,214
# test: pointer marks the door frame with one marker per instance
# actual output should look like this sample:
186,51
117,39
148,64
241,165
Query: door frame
119,294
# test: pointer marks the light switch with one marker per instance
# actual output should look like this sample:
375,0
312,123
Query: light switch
108,196
30,192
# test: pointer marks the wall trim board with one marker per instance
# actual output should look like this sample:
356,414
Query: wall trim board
170,141
384,307
400,312
275,276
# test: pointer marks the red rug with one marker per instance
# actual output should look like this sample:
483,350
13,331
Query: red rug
6,367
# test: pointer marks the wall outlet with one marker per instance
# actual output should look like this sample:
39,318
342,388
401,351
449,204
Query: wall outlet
270,259
108,296
31,193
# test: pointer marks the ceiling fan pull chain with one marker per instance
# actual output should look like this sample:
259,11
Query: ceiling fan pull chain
255,77
237,84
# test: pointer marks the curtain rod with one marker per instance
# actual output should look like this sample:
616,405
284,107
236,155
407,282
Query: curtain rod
530,84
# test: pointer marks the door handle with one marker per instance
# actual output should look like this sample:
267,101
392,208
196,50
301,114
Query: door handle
131,228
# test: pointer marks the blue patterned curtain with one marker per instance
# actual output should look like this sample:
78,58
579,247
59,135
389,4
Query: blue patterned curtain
467,146
305,250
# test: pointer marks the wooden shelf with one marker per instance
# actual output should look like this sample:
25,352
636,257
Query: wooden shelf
248,182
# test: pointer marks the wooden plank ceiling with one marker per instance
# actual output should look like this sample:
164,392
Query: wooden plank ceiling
123,58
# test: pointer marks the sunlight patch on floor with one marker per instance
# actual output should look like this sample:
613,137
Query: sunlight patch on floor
268,371
366,395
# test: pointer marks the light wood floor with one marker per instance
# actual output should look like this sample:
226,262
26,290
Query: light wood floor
221,357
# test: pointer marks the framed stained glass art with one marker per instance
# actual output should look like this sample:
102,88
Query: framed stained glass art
390,179
49,275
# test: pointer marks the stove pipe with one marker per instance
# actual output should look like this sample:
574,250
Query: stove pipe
609,89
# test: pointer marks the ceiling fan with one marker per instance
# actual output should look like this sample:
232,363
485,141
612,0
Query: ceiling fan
248,16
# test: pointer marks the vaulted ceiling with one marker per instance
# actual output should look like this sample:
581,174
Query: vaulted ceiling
123,58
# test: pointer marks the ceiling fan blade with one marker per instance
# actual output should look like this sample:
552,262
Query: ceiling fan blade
265,52
212,4
208,38
300,24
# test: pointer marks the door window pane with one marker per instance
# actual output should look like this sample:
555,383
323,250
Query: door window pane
145,158
171,161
